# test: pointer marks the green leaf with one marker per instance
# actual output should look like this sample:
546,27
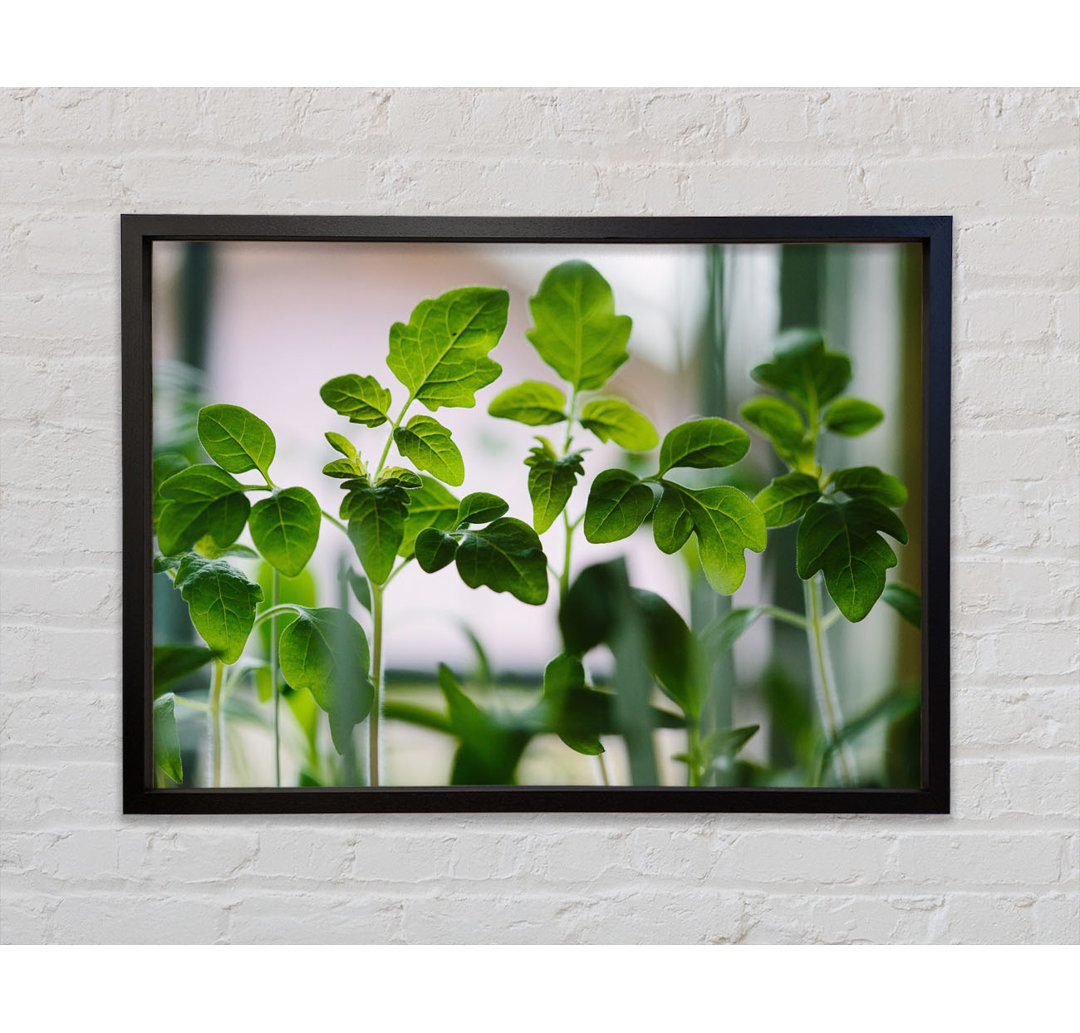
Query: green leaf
852,417
346,468
166,740
401,475
614,419
428,445
841,539
868,482
905,601
672,523
360,399
340,443
172,663
726,523
285,528
326,652
672,654
577,332
564,679
199,501
724,743
166,465
805,370
361,590
481,507
551,483
720,635
531,402
236,439
376,518
787,498
434,549
703,445
221,602
430,505
299,590
441,354
783,426
618,503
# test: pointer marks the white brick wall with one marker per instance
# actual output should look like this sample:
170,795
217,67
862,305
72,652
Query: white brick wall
1003,867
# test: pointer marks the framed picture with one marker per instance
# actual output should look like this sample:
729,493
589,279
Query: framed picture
508,514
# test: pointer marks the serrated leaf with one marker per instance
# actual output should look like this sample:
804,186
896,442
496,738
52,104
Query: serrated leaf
428,445
841,539
441,354
577,332
166,739
400,475
551,483
430,505
720,635
376,525
173,663
236,439
783,426
805,370
852,417
481,507
618,503
198,501
905,601
360,399
326,652
340,443
618,421
868,482
531,402
787,498
703,445
221,602
672,523
285,528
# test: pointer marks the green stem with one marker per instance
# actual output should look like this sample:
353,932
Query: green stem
376,681
215,724
693,773
334,520
273,611
605,779
564,577
390,437
780,614
275,594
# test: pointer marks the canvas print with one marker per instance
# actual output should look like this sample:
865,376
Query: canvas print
497,514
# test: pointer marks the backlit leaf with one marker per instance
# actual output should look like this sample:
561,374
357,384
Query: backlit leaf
434,549
618,503
340,443
236,439
376,519
532,402
672,523
551,483
285,528
403,476
360,399
805,370
165,466
346,468
868,482
221,602
428,445
481,507
787,498
703,445
200,501
783,426
618,421
852,417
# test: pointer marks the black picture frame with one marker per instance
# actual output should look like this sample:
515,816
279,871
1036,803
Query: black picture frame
139,232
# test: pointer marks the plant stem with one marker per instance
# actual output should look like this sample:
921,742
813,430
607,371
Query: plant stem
780,614
275,594
334,520
215,724
390,437
564,578
602,766
376,681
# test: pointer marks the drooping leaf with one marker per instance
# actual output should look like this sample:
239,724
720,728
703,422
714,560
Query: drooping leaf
236,439
787,498
199,501
720,635
841,539
481,507
340,443
618,503
401,475
430,505
905,601
672,652
783,426
531,402
285,528
376,519
672,523
428,445
805,370
166,739
326,652
551,483
703,445
360,399
221,602
577,332
618,421
868,482
172,663
441,354
852,417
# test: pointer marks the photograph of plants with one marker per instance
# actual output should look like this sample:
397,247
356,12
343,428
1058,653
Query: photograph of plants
442,514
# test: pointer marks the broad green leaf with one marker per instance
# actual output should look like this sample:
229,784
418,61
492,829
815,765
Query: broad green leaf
340,443
614,419
805,370
360,588
326,652
672,652
236,439
360,399
726,523
428,445
782,425
672,523
346,468
441,354
166,740
403,476
787,498
564,678
166,465
285,528
618,503
199,501
841,539
172,663
551,483
720,635
868,482
586,616
703,445
221,602
481,507
532,402
376,518
852,417
430,505
577,332
905,601
434,549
